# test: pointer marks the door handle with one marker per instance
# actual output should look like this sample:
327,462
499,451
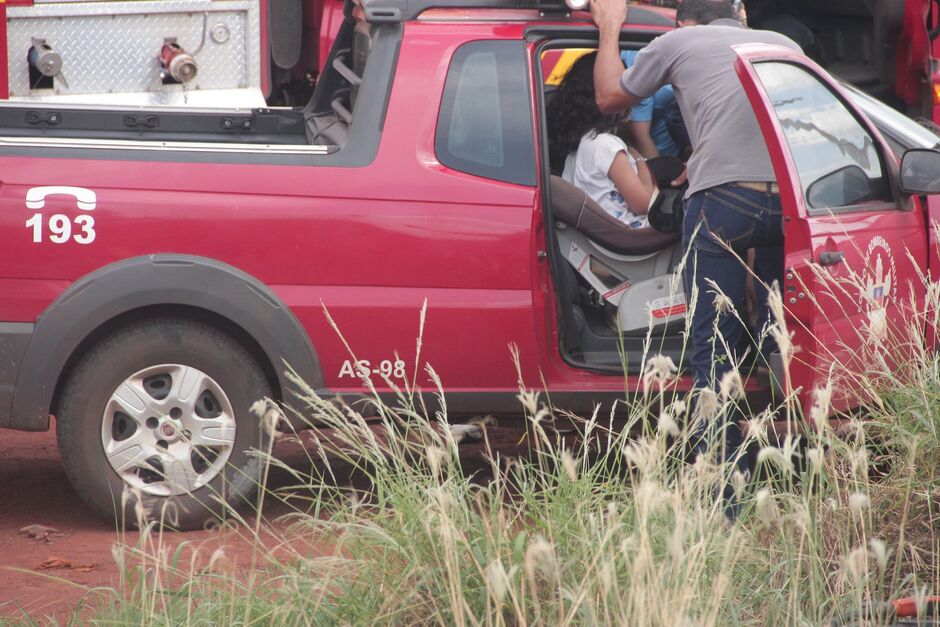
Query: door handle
831,258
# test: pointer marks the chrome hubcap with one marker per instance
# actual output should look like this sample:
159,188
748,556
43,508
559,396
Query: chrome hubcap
168,429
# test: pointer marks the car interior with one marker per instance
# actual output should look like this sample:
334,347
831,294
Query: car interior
619,289
329,113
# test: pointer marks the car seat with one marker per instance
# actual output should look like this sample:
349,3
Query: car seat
633,270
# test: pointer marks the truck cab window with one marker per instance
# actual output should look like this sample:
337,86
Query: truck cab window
485,123
837,159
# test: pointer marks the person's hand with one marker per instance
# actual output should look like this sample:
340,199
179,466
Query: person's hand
608,14
682,178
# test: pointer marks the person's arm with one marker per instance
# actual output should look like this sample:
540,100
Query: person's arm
609,15
640,137
643,169
634,189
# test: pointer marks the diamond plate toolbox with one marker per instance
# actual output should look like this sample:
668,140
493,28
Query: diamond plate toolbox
112,47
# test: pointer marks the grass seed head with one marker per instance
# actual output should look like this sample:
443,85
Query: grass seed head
773,456
678,408
540,557
676,543
757,427
766,506
497,580
859,502
860,462
815,456
270,415
569,466
738,482
659,371
435,458
217,559
819,412
705,468
855,566
641,454
731,388
707,406
800,515
650,496
880,552
667,425
722,304
529,400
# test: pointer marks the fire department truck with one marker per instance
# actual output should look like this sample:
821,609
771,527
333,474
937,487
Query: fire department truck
163,267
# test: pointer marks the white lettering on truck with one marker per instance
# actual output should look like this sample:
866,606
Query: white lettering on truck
363,368
59,226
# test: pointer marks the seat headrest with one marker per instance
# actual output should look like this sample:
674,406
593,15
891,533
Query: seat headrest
572,206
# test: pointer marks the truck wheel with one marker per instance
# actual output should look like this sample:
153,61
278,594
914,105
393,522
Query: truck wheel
158,412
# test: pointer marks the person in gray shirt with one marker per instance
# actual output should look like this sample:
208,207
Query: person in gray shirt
732,203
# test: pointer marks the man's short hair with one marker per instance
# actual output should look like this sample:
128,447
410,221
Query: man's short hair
705,11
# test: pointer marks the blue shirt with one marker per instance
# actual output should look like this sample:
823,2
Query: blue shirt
652,110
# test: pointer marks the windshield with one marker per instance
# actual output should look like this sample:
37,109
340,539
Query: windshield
902,132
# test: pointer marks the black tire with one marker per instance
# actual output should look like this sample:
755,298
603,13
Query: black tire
114,360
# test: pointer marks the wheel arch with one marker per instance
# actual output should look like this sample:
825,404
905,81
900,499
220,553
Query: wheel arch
165,285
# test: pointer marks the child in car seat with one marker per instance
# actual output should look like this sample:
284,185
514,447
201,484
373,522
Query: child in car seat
588,153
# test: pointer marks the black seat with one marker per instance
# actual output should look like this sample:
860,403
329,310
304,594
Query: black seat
572,206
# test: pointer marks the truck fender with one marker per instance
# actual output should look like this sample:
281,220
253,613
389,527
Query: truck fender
164,280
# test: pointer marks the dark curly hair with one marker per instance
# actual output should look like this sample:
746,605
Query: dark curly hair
573,112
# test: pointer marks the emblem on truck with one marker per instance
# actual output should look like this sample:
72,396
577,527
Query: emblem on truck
59,225
879,285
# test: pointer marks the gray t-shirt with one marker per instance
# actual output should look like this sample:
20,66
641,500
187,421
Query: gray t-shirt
698,62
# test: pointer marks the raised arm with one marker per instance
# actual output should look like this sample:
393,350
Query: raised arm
609,15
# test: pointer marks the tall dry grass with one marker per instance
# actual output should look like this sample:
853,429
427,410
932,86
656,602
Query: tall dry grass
599,526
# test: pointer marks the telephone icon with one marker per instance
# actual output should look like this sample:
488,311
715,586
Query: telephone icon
85,199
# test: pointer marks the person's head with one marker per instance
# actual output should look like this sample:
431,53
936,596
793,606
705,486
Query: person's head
693,12
573,112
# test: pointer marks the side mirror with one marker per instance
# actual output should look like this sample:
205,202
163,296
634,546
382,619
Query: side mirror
848,185
920,171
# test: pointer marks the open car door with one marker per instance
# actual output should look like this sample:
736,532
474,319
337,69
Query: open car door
855,245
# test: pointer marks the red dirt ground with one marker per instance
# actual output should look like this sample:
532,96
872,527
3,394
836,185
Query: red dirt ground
35,491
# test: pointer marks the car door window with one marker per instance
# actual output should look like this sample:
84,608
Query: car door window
485,123
838,161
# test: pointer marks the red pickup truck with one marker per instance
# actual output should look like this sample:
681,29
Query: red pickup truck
162,268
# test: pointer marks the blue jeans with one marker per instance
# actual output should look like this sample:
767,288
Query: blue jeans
716,220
